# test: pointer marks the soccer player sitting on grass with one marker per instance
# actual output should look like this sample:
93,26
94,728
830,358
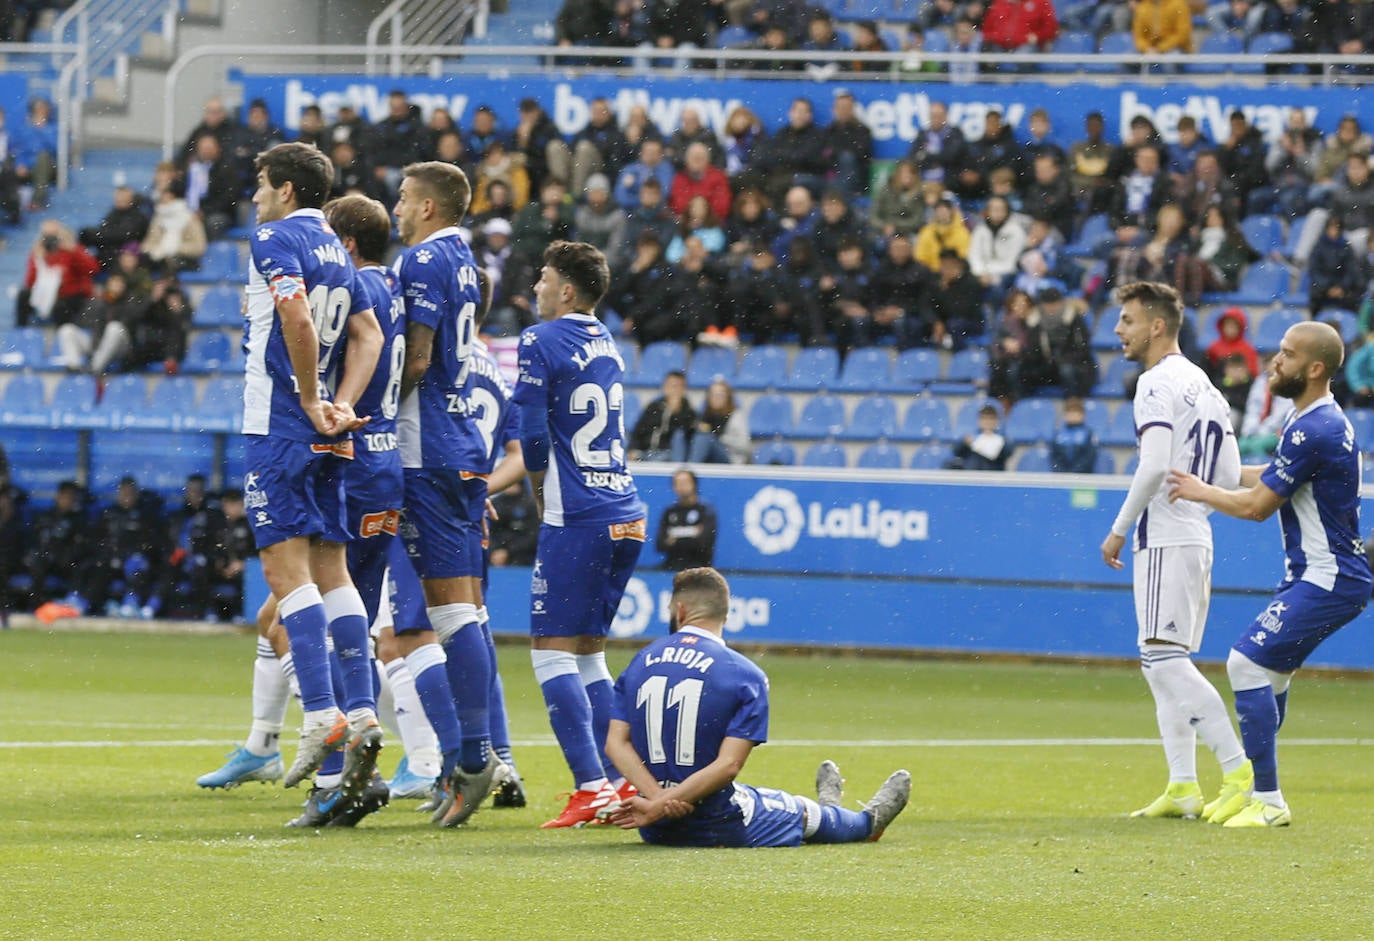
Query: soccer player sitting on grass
1314,484
687,712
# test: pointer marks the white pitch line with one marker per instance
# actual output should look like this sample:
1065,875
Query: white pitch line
782,743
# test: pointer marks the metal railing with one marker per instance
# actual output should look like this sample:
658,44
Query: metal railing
109,31
414,23
37,60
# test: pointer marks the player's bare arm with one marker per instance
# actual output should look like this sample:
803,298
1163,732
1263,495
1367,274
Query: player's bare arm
1111,550
1256,502
303,346
1250,475
365,342
679,799
510,471
621,750
419,351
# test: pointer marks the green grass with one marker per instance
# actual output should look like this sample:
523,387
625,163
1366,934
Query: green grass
1001,840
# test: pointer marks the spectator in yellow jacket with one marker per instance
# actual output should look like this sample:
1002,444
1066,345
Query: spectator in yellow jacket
1162,26
946,229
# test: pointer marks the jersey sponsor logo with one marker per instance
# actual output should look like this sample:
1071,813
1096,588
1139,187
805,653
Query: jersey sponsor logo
635,529
608,480
380,441
374,524
343,449
774,521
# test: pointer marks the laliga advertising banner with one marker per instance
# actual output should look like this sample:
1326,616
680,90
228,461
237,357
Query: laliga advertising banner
894,112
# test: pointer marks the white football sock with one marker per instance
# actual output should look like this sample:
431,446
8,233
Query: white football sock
270,696
1272,798
412,727
1175,731
1201,706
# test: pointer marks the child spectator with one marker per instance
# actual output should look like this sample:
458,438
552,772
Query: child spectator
987,449
666,421
1073,449
722,432
1232,325
1234,381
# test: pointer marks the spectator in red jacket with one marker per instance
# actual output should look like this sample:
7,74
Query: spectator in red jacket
699,178
1232,325
57,282
1019,25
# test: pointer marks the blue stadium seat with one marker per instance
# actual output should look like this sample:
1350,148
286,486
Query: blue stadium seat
966,422
209,351
1272,328
853,10
220,407
1031,420
1114,44
821,417
931,457
1290,244
966,372
1104,331
880,456
1264,233
1216,44
220,263
936,40
629,354
1070,44
1111,382
632,408
1209,330
775,452
1362,420
1270,44
866,370
22,348
222,306
1096,415
1346,322
915,369
657,360
41,458
762,367
1104,463
1120,432
874,417
1034,460
123,394
770,415
1096,230
825,454
814,368
1264,282
732,36
171,403
707,363
926,419
73,403
161,461
25,401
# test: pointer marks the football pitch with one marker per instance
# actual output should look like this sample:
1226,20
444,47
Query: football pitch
1022,776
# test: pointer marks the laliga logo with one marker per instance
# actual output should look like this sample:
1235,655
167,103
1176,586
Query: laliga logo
635,611
773,520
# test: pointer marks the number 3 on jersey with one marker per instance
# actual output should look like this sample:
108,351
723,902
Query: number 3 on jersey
597,403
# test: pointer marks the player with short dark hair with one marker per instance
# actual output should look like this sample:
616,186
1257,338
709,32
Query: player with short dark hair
571,397
1181,421
1314,484
687,713
442,451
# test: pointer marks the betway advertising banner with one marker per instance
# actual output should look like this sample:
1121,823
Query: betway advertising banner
895,112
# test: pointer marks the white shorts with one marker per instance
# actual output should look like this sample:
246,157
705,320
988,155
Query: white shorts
1173,589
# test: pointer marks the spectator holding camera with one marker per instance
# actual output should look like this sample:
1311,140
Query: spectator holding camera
59,279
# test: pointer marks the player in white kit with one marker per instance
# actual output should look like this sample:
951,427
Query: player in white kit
1181,422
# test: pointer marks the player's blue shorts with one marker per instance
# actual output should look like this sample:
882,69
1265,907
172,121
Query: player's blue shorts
580,574
757,817
293,488
373,490
442,522
1299,618
407,598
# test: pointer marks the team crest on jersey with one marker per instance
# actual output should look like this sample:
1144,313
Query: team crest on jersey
1272,618
253,496
265,234
1297,437
423,256
527,340
374,524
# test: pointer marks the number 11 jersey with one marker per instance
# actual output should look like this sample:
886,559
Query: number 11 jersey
572,369
296,256
1177,395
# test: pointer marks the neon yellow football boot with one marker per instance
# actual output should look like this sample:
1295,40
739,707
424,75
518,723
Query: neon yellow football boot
1181,799
1235,794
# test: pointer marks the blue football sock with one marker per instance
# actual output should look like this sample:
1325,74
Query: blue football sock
1258,712
469,676
597,680
570,713
1281,700
496,707
302,614
348,626
426,665
333,764
842,826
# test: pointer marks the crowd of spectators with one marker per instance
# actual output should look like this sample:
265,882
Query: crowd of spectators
124,554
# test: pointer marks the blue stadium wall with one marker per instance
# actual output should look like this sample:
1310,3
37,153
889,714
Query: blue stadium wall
933,561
